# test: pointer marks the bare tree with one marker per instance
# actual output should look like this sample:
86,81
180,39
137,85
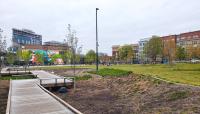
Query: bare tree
72,42
3,45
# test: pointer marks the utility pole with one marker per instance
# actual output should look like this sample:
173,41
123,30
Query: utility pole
97,45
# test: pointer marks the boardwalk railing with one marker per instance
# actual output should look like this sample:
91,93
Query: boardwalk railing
57,81
61,101
9,99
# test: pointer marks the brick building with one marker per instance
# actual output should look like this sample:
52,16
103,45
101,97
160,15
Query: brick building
191,42
189,39
115,52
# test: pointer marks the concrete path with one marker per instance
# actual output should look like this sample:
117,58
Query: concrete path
28,98
48,78
44,74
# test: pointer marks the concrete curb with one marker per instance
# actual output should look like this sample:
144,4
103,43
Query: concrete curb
9,99
61,101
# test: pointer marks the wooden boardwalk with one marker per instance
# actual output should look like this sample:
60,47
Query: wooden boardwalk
26,97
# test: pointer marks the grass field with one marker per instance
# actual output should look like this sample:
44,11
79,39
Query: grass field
179,73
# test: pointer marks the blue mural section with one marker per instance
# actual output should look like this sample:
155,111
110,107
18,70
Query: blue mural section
45,54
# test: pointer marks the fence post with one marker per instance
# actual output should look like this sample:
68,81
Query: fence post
64,81
74,83
55,81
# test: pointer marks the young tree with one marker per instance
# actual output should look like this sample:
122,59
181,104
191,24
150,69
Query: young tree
154,48
11,58
78,55
180,53
169,50
26,55
67,56
19,55
90,56
72,43
126,53
198,52
193,52
3,45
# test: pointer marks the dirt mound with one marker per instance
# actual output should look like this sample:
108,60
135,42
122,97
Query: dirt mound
4,89
132,94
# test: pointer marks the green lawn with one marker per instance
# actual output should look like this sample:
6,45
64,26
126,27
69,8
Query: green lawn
179,73
111,72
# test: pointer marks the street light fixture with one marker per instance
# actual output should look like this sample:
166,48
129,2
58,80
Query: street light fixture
97,45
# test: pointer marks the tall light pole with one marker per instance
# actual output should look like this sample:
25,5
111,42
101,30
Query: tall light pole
97,57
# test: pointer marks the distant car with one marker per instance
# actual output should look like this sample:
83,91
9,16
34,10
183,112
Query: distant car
195,61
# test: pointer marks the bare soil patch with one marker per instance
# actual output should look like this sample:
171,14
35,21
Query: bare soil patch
133,94
4,90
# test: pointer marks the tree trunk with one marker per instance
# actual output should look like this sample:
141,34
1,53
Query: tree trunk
0,71
25,68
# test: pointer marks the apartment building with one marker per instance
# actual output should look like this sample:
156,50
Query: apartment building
24,37
141,55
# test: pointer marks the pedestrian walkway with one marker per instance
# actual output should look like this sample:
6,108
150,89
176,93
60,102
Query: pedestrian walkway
51,79
44,74
26,97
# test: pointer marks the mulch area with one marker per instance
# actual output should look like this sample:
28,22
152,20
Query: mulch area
4,90
132,94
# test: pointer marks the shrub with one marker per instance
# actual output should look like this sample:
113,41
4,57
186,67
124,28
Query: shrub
178,95
85,77
111,72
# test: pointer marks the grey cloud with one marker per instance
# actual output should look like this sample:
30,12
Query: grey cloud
120,21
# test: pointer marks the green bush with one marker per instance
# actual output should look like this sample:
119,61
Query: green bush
85,77
111,72
178,95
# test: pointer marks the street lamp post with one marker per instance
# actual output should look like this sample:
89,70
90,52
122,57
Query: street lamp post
97,57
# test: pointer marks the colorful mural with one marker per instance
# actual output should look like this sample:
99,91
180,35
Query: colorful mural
46,57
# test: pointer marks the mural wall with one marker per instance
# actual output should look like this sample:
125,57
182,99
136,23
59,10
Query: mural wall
45,57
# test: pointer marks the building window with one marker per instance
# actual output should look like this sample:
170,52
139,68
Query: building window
194,42
195,36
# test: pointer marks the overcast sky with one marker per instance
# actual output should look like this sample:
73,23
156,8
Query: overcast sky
120,21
